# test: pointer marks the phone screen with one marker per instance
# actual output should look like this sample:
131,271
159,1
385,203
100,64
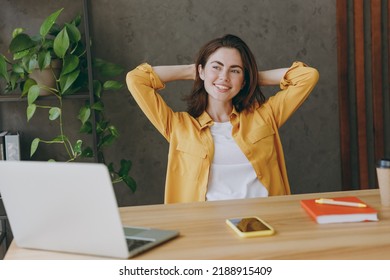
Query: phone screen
249,224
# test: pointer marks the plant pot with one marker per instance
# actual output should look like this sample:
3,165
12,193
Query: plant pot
47,77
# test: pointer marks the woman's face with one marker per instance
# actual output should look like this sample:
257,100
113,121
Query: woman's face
223,74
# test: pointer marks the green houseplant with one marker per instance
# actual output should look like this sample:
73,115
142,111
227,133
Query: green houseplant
63,44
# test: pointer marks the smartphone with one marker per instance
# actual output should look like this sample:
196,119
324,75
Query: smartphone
250,226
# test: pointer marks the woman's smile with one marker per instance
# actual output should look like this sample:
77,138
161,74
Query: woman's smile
222,88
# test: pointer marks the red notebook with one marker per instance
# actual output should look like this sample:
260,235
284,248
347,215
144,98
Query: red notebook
325,213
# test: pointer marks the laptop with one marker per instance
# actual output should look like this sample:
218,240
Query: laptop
70,207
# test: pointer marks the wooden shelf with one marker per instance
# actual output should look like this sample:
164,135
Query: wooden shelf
17,98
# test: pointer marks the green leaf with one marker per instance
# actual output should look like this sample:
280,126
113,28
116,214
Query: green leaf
98,106
84,114
77,20
101,126
13,80
33,94
61,43
70,63
17,68
77,147
32,64
114,132
130,182
107,69
72,90
3,68
86,128
27,85
73,32
34,146
112,85
44,60
67,80
48,44
48,23
87,152
30,111
54,30
17,31
107,140
97,88
125,167
20,43
54,113
60,138
110,167
79,50
21,54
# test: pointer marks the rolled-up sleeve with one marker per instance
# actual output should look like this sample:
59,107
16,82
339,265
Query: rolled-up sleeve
296,85
143,84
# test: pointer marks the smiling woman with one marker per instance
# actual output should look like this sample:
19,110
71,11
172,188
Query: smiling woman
227,144
223,77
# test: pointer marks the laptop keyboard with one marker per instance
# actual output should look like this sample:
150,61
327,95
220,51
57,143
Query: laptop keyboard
133,244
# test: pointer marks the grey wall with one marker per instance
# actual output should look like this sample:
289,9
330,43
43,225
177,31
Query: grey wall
279,32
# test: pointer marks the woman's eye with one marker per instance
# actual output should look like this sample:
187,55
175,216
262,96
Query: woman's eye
216,67
236,71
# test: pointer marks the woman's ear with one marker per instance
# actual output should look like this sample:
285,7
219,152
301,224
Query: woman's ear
201,72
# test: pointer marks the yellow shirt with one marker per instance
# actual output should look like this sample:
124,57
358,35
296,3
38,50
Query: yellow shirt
191,147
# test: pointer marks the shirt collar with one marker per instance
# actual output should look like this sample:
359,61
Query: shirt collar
205,120
234,112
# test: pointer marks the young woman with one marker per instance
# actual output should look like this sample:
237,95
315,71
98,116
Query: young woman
227,145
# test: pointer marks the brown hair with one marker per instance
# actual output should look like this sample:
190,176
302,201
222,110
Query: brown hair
197,100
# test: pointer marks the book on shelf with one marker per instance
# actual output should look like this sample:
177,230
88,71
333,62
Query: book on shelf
2,144
12,146
9,145
324,213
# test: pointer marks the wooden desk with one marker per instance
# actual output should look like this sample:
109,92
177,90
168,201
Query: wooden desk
204,234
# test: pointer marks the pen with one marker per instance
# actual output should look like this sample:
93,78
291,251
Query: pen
338,202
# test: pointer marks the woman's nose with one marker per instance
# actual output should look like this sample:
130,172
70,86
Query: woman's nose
224,75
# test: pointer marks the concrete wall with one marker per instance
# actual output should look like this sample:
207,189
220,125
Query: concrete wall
130,32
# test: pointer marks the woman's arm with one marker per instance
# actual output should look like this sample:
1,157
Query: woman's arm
187,72
295,86
144,84
175,72
271,77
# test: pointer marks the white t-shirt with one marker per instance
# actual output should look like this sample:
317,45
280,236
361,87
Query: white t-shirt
231,175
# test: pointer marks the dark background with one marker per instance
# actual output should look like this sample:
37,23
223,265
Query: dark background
130,32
